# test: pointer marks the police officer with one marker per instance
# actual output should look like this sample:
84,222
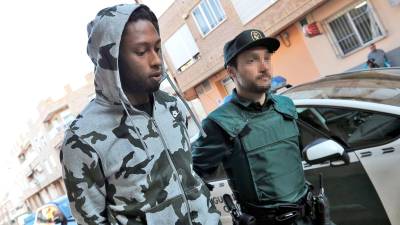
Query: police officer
256,138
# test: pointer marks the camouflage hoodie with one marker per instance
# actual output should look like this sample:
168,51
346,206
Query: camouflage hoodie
122,166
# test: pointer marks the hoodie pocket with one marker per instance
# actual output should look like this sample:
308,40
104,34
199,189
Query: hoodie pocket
172,211
203,211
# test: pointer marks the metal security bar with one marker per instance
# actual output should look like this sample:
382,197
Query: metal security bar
355,28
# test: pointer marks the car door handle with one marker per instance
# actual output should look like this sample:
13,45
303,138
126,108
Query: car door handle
387,150
366,154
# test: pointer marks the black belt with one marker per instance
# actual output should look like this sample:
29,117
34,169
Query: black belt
282,214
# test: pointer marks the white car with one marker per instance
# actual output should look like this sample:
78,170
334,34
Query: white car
361,111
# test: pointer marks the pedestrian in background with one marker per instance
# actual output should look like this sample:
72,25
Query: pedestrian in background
377,57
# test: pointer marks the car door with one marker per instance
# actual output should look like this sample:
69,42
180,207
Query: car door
381,162
352,188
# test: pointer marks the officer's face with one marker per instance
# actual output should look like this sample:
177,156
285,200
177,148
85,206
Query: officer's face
253,71
140,58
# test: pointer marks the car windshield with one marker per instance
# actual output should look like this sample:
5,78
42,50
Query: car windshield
380,86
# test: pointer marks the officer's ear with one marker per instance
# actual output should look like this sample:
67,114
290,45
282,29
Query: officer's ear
231,71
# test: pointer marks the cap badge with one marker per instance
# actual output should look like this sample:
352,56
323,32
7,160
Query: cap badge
255,35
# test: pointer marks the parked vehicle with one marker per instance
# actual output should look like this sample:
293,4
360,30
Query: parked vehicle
30,219
360,110
55,212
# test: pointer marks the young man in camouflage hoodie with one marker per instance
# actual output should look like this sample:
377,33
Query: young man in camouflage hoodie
126,158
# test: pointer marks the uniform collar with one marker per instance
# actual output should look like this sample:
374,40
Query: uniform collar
247,102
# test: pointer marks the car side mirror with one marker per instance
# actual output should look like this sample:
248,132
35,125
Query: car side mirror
322,150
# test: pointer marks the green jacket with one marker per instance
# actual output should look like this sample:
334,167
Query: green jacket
259,149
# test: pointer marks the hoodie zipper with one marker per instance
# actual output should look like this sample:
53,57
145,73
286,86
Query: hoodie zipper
175,172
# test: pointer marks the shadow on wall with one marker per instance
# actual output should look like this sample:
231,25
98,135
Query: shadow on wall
393,56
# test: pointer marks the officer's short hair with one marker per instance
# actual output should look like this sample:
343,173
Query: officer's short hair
233,62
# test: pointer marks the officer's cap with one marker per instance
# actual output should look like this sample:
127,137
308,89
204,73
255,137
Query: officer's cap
248,39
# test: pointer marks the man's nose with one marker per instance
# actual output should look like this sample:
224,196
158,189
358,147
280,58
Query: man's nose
155,58
265,65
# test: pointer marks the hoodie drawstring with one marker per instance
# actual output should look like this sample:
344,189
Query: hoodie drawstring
136,130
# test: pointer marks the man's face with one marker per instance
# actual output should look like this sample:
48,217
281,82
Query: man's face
372,47
140,58
253,71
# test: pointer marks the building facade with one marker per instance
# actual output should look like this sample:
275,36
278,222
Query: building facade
39,149
318,37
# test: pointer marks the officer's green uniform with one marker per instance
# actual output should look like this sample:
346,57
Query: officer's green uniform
259,148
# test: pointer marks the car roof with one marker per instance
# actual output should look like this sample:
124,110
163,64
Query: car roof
376,85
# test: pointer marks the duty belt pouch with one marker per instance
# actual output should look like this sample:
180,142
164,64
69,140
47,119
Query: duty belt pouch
288,217
321,206
321,210
282,215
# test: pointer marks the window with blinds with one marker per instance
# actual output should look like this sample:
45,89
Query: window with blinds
182,48
354,28
249,9
208,14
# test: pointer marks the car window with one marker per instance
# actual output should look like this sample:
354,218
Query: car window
352,127
369,86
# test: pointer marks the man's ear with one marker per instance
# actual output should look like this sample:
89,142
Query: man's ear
231,71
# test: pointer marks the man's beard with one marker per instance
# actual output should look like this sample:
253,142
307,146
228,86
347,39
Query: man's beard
141,87
261,89
153,88
253,87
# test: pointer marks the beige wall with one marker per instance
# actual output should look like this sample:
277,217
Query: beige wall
210,65
50,184
211,99
293,60
272,21
322,50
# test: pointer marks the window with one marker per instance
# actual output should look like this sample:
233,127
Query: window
181,47
248,10
208,14
351,127
354,28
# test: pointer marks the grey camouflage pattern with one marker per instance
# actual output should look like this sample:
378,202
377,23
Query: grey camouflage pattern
122,166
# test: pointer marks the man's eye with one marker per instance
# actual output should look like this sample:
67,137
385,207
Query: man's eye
140,53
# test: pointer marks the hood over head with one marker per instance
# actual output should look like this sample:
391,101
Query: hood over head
105,33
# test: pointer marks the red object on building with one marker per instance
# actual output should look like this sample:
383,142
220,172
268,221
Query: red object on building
311,30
